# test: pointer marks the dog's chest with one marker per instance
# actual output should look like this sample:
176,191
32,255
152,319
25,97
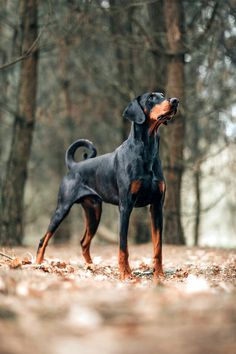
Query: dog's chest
147,190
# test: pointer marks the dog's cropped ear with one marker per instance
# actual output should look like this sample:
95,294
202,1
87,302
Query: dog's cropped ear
134,112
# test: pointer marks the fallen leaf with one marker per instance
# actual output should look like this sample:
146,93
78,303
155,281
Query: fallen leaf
26,260
15,263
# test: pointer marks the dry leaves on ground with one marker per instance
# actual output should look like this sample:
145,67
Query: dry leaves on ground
63,306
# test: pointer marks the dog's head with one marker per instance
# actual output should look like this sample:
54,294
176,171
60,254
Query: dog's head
153,107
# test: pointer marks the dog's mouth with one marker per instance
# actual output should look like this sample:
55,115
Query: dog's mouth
162,114
164,118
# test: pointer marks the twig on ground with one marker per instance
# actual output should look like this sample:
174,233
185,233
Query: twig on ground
6,255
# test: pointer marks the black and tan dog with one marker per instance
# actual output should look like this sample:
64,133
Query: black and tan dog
131,176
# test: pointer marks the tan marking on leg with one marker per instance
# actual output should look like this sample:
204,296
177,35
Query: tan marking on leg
157,253
85,243
157,247
125,271
86,247
89,206
41,250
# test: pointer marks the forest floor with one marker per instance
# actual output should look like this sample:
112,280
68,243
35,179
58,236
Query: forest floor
61,307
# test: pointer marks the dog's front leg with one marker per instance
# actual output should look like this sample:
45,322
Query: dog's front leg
157,221
125,271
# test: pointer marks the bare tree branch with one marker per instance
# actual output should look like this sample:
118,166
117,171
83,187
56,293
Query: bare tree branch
206,209
24,56
200,39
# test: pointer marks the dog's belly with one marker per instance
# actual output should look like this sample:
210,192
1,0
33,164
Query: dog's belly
113,199
149,191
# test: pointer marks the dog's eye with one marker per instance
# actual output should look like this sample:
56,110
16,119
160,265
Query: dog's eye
151,98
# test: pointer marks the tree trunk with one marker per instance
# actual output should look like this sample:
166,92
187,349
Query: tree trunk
16,174
196,155
121,26
195,133
64,231
197,190
174,20
157,23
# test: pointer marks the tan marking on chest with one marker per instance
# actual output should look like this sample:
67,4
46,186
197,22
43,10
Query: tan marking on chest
135,186
162,186
153,126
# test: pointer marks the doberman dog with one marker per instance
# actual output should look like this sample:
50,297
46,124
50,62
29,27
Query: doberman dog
131,176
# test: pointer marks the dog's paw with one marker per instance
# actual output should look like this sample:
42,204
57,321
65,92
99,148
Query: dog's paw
125,273
90,266
39,259
158,276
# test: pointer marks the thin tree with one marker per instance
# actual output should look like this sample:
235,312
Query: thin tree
16,173
174,23
121,24
64,232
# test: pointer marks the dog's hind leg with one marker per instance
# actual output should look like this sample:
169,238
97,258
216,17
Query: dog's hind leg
60,213
92,210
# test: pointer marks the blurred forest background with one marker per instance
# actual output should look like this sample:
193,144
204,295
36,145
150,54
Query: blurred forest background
68,68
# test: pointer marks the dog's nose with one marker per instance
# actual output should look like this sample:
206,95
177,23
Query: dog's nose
174,101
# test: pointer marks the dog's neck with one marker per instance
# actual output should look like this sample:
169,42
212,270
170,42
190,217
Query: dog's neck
148,143
142,132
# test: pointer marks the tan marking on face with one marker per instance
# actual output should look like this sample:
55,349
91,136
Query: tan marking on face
135,186
160,109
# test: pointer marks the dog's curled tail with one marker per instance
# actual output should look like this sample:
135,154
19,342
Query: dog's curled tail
69,157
